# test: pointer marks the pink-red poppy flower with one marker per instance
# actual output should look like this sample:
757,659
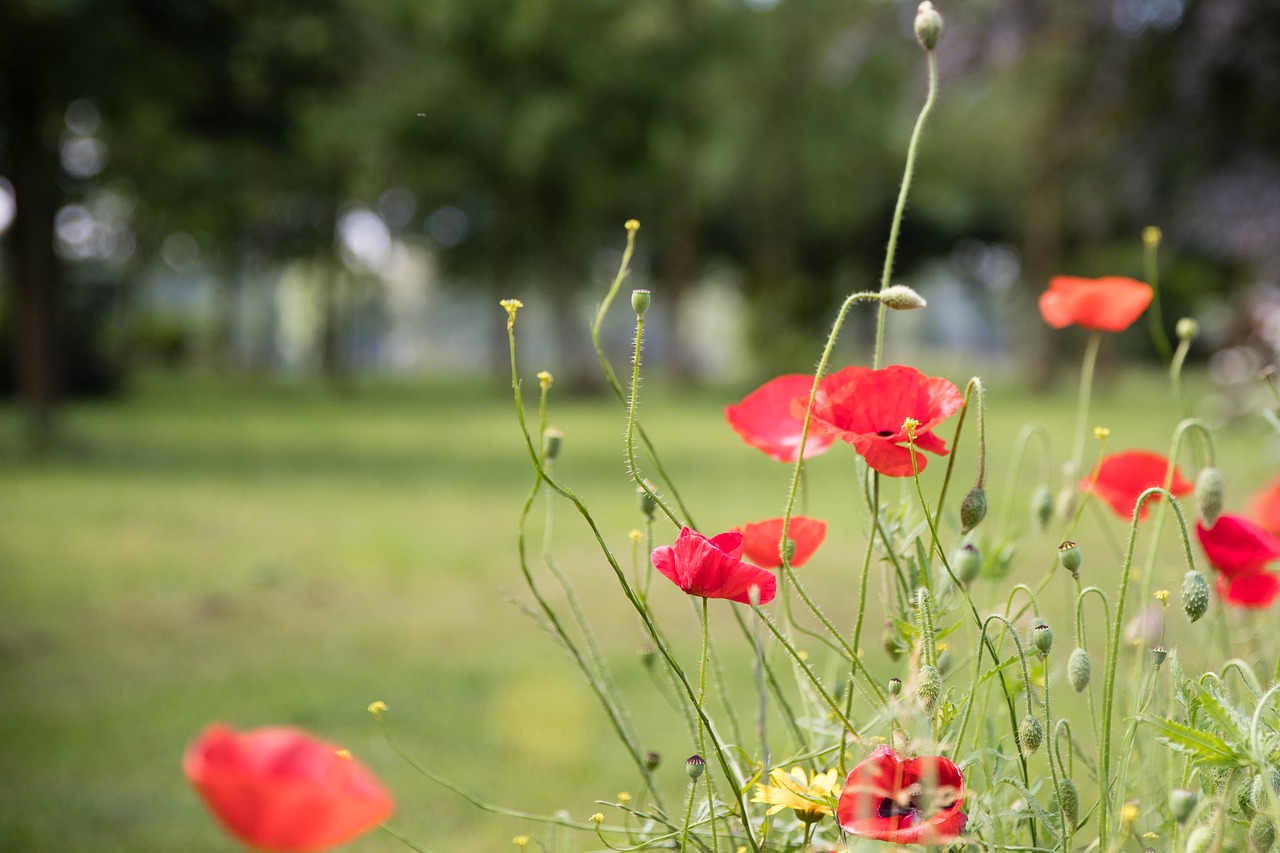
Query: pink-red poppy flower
1240,550
867,408
712,568
279,788
762,540
767,420
903,800
1108,304
1123,477
1266,507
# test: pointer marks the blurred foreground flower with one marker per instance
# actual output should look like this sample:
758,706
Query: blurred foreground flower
765,419
278,788
809,796
1240,551
903,800
868,409
712,568
1108,304
762,540
1266,507
1123,477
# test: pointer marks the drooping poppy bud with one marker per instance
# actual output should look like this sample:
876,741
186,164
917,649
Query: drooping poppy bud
973,509
1079,669
928,25
967,561
1195,595
1031,733
1209,488
1262,833
899,297
1070,802
928,688
1042,506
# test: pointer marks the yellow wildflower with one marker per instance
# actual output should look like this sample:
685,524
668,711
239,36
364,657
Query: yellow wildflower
511,306
376,708
545,379
810,796
344,754
1162,596
633,225
1101,432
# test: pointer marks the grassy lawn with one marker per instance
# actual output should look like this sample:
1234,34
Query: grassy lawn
274,553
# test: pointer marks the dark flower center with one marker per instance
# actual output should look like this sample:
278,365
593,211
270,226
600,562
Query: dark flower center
885,433
890,808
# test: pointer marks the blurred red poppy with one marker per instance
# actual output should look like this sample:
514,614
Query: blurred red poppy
903,800
1240,550
762,540
1107,304
1123,477
766,419
712,568
1266,507
867,408
279,788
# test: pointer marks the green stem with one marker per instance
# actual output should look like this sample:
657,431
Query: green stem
1082,405
1151,262
632,403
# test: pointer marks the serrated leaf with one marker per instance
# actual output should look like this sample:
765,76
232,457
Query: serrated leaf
1227,717
1203,747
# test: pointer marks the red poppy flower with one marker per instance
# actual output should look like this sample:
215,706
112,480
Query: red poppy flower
867,408
1240,550
1123,477
278,788
766,420
1108,304
903,800
1266,507
711,567
762,540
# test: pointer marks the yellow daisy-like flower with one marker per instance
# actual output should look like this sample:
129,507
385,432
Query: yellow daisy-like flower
810,795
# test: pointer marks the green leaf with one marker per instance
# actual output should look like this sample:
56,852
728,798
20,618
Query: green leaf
1203,747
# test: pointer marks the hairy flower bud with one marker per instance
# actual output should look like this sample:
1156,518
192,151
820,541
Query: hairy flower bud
1200,840
967,562
1069,804
1187,328
1031,733
928,25
648,505
928,688
1042,638
1181,803
1069,557
899,297
1195,594
973,509
1262,833
1042,506
1078,670
640,300
1209,494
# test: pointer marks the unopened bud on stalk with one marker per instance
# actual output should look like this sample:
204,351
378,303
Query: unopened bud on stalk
1042,506
1188,329
1262,833
551,444
928,25
1195,594
640,300
648,505
694,765
1069,557
1069,804
1031,733
899,297
895,686
928,688
1182,802
652,760
967,561
1042,638
1078,670
973,509
1209,494
1200,840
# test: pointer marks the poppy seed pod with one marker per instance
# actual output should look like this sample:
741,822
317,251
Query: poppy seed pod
899,297
928,688
1070,802
967,561
973,509
1209,494
1078,670
1195,595
1042,637
1181,803
1069,557
1158,654
1031,733
928,25
895,686
1042,506
694,765
640,300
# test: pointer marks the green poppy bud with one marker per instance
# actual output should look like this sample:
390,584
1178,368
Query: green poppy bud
973,509
648,505
1262,833
1078,670
1209,495
694,765
1182,802
967,561
1042,506
1200,840
640,300
1187,329
1042,638
928,688
1069,804
899,297
1030,733
1195,595
1069,557
928,25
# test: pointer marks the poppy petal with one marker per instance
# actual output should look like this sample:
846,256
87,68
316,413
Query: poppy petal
1108,304
1237,546
1266,507
1122,478
765,419
703,567
1256,591
762,540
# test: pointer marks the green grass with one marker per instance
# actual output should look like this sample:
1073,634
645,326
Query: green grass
274,553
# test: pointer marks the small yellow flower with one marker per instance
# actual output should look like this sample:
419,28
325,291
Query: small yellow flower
1129,813
1151,236
1162,596
624,797
635,536
521,841
597,818
1101,432
810,797
1150,835
376,708
545,379
633,225
511,306
344,754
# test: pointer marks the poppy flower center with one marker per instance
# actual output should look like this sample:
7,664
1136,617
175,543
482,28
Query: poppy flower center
891,808
885,433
